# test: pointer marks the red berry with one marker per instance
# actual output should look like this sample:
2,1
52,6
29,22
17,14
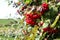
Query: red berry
53,31
42,12
29,16
36,16
45,6
50,30
47,29
30,21
33,23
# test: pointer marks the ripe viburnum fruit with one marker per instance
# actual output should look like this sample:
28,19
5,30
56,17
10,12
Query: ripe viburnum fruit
50,30
45,7
30,21
36,16
31,17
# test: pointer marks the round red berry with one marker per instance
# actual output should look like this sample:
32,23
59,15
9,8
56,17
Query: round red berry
45,7
30,21
50,30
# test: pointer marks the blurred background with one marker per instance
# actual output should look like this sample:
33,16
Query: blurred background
7,11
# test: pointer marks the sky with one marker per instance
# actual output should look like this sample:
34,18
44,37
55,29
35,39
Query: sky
6,10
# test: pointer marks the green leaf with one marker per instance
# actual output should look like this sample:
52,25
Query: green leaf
27,1
55,22
58,4
47,22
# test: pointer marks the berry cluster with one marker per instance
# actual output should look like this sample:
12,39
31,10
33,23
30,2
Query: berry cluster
50,30
30,18
45,7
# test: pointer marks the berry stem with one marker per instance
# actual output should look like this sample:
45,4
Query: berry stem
56,20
